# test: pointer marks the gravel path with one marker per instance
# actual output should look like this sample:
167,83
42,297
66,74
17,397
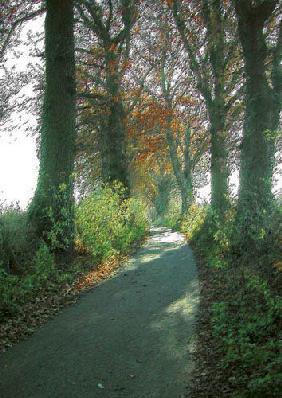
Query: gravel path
129,337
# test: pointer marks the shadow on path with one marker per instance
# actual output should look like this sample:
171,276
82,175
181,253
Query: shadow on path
129,337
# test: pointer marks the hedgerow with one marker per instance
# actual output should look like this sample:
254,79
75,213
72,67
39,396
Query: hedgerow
108,223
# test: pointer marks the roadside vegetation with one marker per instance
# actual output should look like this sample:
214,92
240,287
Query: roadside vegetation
32,279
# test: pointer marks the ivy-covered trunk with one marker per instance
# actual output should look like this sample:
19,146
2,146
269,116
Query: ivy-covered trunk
52,209
263,105
114,159
219,169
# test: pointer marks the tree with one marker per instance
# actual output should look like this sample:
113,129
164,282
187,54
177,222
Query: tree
52,209
111,22
208,39
174,108
263,72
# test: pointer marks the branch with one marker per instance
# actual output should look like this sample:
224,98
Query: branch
234,98
15,25
109,20
96,13
194,64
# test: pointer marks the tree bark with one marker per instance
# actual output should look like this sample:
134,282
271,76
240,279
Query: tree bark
219,169
263,105
114,158
52,209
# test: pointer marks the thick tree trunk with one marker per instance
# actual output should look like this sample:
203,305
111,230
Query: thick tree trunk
52,209
114,159
262,113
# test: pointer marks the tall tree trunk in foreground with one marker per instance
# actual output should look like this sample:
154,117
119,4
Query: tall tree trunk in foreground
263,104
52,209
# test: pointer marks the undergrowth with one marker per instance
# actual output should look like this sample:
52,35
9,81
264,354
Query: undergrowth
243,300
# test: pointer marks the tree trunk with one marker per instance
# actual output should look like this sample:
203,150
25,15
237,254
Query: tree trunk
262,113
184,181
52,209
188,182
114,159
219,169
212,11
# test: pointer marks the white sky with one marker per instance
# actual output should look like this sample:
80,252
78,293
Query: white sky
18,161
18,168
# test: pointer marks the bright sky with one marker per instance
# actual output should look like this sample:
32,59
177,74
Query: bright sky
18,161
18,168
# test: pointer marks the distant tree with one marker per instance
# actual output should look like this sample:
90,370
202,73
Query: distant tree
260,31
52,209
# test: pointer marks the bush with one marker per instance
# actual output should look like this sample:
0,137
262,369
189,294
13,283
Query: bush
248,324
260,235
16,244
107,223
15,290
194,220
172,216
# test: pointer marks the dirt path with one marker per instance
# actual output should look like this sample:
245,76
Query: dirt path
129,337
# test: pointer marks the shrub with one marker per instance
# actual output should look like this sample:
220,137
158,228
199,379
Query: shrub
16,244
107,222
15,290
260,235
172,215
194,220
9,292
248,324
